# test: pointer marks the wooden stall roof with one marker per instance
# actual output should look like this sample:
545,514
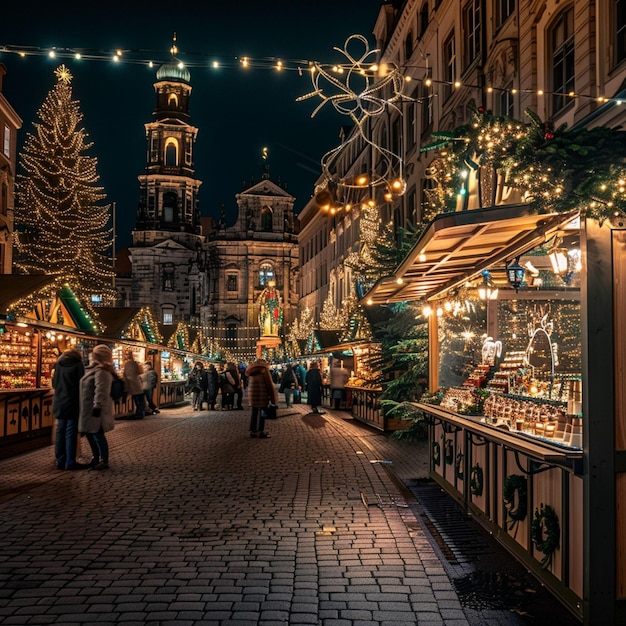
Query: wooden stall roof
118,320
14,287
457,247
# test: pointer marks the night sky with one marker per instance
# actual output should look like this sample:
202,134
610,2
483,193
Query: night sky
238,112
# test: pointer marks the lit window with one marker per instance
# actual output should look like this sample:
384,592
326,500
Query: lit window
7,142
172,101
562,50
96,298
171,152
266,274
168,318
267,220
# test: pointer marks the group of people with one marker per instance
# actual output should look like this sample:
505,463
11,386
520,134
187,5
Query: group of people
83,404
205,384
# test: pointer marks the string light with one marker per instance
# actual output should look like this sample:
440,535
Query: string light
201,59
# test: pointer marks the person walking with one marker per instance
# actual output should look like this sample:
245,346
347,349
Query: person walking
261,393
213,387
237,397
314,387
338,378
131,372
149,380
198,385
96,405
289,385
68,371
227,385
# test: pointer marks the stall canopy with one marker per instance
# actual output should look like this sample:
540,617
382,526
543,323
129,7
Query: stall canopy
319,341
44,298
457,247
129,323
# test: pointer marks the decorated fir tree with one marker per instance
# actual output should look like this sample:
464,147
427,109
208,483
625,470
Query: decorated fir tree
61,223
329,317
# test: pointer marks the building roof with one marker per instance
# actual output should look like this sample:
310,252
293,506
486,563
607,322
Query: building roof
174,70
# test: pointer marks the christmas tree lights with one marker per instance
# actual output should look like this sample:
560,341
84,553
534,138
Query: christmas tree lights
61,227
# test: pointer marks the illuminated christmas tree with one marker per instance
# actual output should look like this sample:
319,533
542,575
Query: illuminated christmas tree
329,317
61,225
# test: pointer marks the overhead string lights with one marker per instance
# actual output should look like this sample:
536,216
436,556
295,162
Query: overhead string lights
193,59
357,90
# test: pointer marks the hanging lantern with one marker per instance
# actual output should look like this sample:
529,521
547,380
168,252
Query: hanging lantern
515,273
558,260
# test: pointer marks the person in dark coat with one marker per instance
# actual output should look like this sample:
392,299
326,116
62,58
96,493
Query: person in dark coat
261,392
288,385
314,387
68,371
213,387
198,384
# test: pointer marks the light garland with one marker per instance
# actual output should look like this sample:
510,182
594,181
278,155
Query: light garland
153,58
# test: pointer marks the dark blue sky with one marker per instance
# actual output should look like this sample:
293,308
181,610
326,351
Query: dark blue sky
238,112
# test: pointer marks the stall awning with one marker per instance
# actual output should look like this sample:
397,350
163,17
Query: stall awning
456,247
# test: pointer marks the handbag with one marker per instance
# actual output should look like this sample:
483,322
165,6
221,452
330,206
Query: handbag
297,396
270,411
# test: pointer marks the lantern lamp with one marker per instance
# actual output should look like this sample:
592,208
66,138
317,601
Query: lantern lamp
558,259
515,273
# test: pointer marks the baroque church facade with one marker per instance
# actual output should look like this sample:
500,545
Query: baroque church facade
185,268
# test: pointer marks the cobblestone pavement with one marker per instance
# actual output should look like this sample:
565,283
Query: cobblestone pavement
195,523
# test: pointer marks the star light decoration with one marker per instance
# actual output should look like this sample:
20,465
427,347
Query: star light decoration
358,89
63,74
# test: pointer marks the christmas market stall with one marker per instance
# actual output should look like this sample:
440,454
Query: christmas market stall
526,401
39,318
134,328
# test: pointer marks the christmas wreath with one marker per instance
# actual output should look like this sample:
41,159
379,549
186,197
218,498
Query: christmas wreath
436,453
476,480
545,533
515,498
448,454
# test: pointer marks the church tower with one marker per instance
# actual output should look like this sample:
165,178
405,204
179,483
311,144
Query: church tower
167,237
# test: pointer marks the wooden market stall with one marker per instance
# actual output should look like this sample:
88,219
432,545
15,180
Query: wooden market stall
39,318
527,404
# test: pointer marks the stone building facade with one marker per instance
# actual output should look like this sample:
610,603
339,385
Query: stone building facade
211,278
10,122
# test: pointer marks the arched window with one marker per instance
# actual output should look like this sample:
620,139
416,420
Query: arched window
171,152
424,14
266,274
267,219
172,101
170,207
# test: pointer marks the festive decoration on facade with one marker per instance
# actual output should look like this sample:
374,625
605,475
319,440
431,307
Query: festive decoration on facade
558,170
329,316
60,223
361,90
270,311
545,533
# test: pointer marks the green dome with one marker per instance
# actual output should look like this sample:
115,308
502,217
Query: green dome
173,71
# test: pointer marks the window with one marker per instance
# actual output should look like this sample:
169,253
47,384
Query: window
154,148
168,318
168,277
231,282
171,152
172,101
266,274
7,142
562,49
408,46
424,19
504,9
449,56
231,335
267,220
188,151
620,30
504,104
472,30
410,126
170,207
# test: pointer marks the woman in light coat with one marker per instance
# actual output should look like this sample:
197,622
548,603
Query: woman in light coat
96,405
